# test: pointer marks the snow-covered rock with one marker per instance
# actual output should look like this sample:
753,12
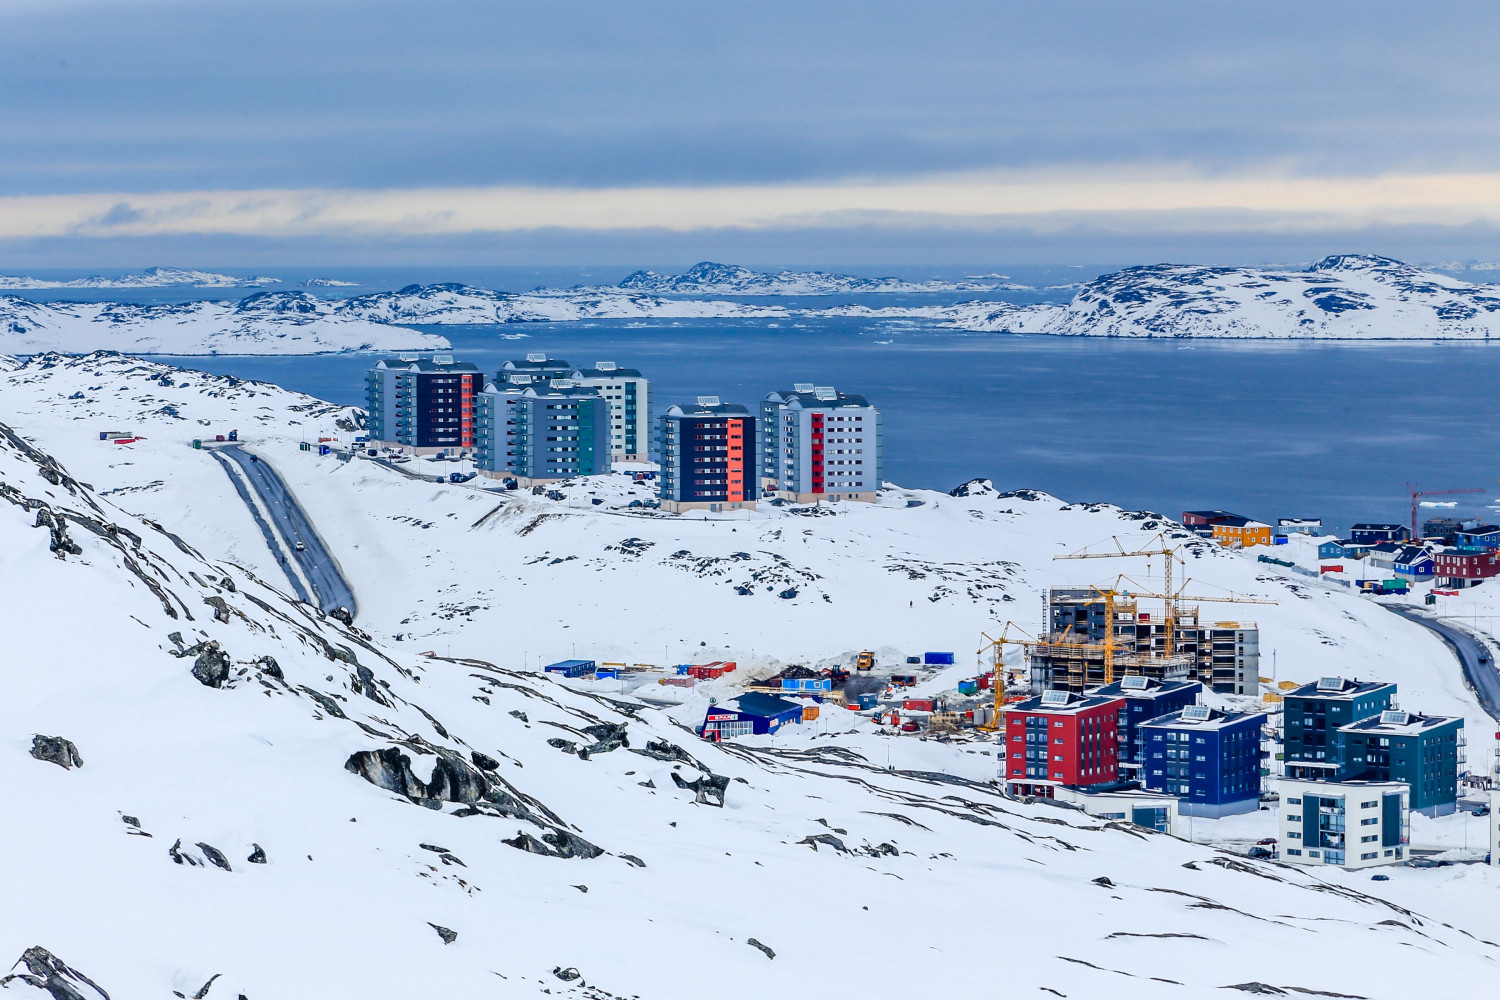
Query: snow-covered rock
708,278
466,304
264,323
1346,297
151,277
337,816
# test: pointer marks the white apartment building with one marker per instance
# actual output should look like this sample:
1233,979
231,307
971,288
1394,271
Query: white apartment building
628,393
1351,824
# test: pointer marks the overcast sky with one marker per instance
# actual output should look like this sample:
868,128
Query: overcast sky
785,132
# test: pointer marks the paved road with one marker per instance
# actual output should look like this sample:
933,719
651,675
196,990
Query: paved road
291,525
1481,676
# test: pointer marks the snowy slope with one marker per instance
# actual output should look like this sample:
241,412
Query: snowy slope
1347,297
456,303
265,323
151,277
392,795
708,278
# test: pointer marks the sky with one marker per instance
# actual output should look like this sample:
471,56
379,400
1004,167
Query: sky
225,131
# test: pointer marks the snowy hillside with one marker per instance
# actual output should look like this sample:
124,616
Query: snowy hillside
708,278
265,323
454,303
1349,297
271,804
151,277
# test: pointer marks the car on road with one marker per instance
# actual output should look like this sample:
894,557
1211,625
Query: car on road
1260,853
1484,657
301,547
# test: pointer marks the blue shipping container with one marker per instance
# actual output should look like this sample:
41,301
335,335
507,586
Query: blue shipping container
938,659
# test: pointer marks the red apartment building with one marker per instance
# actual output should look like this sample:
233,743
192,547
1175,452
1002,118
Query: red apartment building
1060,738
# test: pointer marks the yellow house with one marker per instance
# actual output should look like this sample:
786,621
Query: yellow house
1241,532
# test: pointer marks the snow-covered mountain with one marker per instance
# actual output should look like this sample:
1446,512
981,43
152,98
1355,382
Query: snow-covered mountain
233,795
708,278
151,277
264,323
457,303
1346,297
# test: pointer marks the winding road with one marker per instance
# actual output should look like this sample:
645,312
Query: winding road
1482,677
288,525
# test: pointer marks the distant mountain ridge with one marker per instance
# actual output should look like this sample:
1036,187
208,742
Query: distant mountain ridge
709,278
151,277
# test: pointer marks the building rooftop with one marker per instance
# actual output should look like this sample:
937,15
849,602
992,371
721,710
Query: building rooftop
756,703
559,388
1395,722
436,363
1337,687
707,406
1283,521
1201,717
1363,526
1143,687
1061,703
605,369
1236,521
535,362
1208,515
807,395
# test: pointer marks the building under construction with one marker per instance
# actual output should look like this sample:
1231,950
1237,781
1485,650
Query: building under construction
1083,648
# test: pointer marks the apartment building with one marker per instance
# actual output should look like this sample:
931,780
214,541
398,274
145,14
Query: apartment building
1060,738
1210,760
819,444
707,457
425,404
1351,824
628,394
542,433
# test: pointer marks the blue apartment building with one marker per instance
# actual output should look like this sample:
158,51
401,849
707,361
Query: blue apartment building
1145,699
1427,752
1210,760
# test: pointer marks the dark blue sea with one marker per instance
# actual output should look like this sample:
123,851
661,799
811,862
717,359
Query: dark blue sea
1265,429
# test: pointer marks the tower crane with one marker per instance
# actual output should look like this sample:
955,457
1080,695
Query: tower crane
1417,494
1160,547
998,684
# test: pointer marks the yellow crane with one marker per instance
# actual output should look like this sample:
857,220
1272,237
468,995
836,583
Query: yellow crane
1170,553
997,648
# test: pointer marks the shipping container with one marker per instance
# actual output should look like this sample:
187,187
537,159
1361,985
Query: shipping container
938,659
809,713
920,705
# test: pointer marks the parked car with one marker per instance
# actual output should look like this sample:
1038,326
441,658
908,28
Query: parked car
1267,840
1261,853
1380,878
1481,810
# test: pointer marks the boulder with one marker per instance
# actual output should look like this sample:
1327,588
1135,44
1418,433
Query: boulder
56,750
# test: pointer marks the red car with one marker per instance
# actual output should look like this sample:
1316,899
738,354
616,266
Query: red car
1267,841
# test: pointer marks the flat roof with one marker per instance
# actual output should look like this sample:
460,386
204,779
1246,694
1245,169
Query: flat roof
1414,725
1349,689
755,703
1154,688
1216,719
1074,704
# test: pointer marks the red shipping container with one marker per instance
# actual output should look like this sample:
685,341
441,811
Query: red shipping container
1330,569
920,705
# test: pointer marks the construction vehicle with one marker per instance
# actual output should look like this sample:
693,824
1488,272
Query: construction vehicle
865,661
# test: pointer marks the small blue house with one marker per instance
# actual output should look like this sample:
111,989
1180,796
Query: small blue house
571,668
1485,536
1374,534
811,685
1207,758
1334,550
1414,563
748,715
1145,699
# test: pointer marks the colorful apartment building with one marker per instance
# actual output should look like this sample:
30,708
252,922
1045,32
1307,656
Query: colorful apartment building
1059,738
628,394
1426,752
425,404
1351,824
1207,758
1455,569
1314,716
707,457
542,433
817,444
1145,698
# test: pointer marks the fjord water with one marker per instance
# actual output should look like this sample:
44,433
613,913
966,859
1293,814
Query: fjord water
1267,429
